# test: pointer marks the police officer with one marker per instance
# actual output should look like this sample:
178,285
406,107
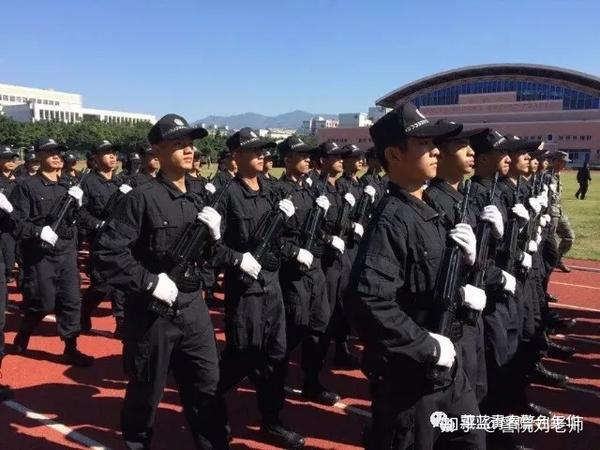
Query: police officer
132,166
69,173
444,194
102,190
30,166
254,311
562,230
8,164
301,276
6,209
265,175
226,170
130,254
50,272
148,170
372,177
390,300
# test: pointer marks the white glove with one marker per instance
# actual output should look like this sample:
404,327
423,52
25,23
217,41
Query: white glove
323,203
371,192
447,350
287,207
473,297
125,188
538,237
48,235
210,188
543,221
5,205
543,199
463,235
520,211
510,282
554,187
77,194
526,261
492,214
305,257
535,204
350,199
308,181
166,289
358,229
250,265
547,218
338,244
212,219
532,247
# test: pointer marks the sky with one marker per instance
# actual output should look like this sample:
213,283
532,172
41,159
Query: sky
198,58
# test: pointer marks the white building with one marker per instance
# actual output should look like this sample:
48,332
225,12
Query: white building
377,112
25,104
351,120
310,126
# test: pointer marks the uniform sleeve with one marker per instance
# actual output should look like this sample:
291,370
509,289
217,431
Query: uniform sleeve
113,259
377,278
223,254
85,217
23,227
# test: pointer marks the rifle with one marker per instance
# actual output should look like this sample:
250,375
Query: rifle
513,235
268,229
362,209
343,223
192,242
314,219
59,211
445,292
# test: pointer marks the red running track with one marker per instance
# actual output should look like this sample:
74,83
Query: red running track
58,407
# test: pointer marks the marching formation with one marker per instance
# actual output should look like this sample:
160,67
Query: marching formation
440,268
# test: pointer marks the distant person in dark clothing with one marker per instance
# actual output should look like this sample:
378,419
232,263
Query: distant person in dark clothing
583,178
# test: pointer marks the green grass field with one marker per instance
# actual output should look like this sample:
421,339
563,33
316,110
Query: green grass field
584,214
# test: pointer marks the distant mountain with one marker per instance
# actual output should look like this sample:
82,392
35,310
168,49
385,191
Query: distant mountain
287,120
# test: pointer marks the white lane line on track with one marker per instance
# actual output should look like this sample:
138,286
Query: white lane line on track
338,405
575,338
579,308
572,387
585,269
576,285
58,427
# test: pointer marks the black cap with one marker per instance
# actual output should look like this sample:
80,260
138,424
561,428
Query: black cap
133,156
7,152
487,142
31,156
47,144
514,144
69,157
464,134
407,121
329,149
103,146
171,127
224,154
267,154
293,144
352,151
247,139
558,155
371,153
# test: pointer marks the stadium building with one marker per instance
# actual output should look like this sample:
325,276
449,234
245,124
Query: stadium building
559,106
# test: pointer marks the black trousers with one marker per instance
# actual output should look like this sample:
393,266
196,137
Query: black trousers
94,295
51,284
256,341
307,313
583,188
472,349
3,302
402,413
184,344
8,247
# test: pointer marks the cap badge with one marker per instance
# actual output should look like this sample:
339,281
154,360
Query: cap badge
178,122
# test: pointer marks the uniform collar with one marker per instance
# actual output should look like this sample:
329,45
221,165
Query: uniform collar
425,211
249,193
445,187
45,180
350,178
173,190
102,178
298,184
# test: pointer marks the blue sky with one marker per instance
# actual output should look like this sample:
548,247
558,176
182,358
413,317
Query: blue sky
205,57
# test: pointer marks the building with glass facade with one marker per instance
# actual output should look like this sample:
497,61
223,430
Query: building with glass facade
558,105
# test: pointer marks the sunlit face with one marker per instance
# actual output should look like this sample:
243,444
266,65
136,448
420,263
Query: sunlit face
249,162
33,165
7,164
268,164
458,156
534,165
230,164
519,163
152,162
297,163
175,155
106,160
352,165
50,161
374,164
417,162
497,160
